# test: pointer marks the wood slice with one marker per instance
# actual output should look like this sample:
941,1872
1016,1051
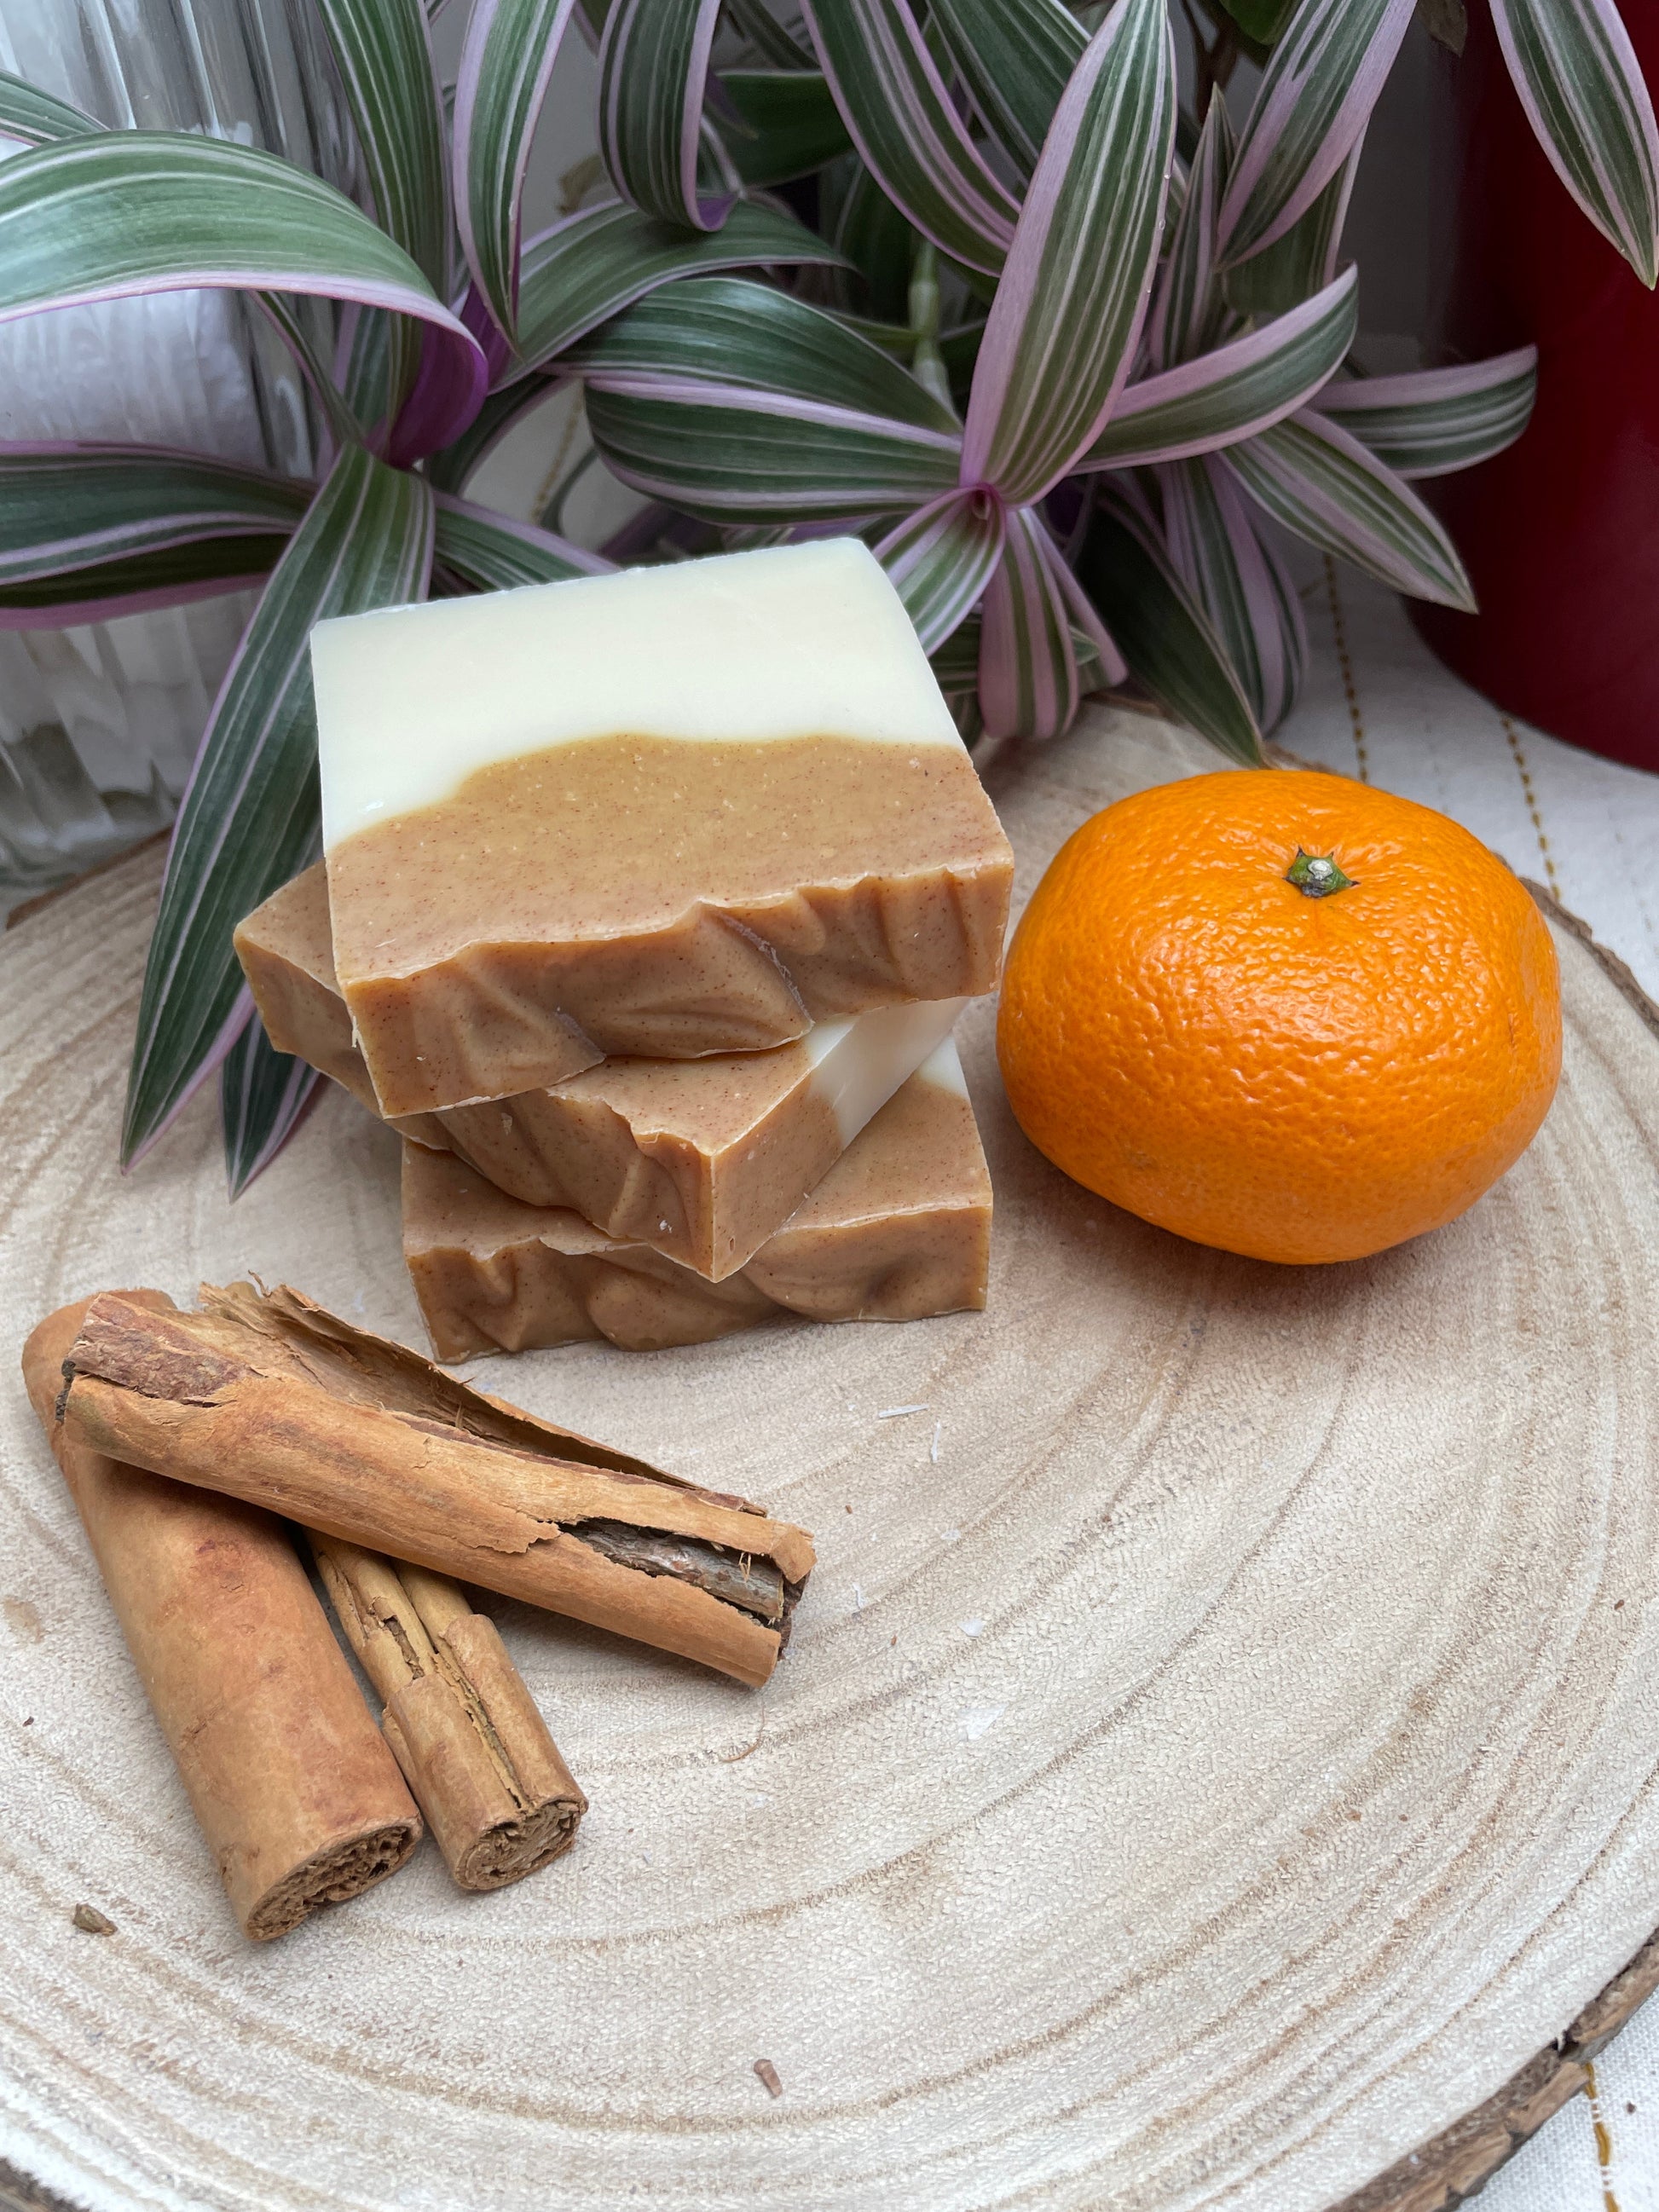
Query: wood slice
1217,1755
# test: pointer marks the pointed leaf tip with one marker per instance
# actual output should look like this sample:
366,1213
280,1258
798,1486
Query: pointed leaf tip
1581,86
1316,93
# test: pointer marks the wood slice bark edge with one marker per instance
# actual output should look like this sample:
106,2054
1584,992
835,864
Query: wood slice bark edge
1448,2169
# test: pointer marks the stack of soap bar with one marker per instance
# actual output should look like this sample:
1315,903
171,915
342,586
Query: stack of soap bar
643,895
669,811
703,1159
899,1229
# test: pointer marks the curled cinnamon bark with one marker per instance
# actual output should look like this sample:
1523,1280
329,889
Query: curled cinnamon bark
299,1800
268,1396
473,1746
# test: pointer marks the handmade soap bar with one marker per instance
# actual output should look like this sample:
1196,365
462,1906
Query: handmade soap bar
703,1159
899,1229
669,811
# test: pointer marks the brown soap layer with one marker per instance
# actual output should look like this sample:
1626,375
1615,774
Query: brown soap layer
299,1800
660,897
898,1230
287,951
701,1159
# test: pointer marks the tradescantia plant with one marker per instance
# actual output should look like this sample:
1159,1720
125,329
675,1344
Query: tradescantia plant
1066,357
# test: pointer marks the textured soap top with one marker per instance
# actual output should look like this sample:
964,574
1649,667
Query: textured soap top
790,642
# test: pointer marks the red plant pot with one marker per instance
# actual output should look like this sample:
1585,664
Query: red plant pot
1560,534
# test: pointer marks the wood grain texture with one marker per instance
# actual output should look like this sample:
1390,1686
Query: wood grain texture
1224,1769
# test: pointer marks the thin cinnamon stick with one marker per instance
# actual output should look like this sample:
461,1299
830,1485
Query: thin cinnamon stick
299,1800
473,1746
273,1399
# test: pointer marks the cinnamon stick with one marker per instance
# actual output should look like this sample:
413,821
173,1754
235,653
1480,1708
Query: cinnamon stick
473,1746
299,1800
268,1396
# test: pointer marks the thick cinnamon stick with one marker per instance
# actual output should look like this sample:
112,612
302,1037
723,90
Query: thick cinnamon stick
268,1396
299,1798
473,1746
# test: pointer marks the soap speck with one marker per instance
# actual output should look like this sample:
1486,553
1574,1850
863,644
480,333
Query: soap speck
970,1627
975,1722
898,1413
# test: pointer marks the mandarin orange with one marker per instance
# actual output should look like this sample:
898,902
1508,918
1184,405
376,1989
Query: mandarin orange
1280,1012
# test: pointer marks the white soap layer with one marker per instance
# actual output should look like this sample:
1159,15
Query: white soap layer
861,1063
790,642
943,1067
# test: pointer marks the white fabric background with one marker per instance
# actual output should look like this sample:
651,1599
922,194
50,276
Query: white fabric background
1380,705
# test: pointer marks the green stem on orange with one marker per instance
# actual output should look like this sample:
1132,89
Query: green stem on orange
1316,876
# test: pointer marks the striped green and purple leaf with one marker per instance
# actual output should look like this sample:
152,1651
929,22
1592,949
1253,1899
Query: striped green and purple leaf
88,530
1302,260
730,331
201,568
249,818
653,68
739,403
363,362
1016,57
1432,420
382,52
1315,96
1188,312
136,211
940,559
384,55
1235,391
1167,639
1061,332
36,118
506,62
494,553
1321,484
1581,86
591,265
1037,629
288,312
1239,581
731,453
263,1096
901,117
1028,672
